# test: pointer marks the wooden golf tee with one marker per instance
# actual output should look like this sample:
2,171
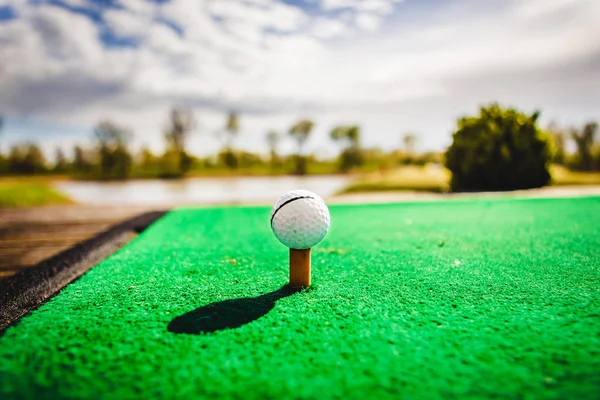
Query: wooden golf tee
300,268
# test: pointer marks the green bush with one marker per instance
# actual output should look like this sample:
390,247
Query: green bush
350,158
228,158
500,149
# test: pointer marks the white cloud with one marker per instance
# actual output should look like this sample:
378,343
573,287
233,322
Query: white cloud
326,28
165,40
367,21
376,6
77,3
274,15
539,8
47,42
127,24
381,6
366,14
275,63
143,7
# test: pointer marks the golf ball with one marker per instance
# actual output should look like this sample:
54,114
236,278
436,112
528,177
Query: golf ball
300,219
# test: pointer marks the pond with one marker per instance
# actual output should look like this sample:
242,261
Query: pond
235,190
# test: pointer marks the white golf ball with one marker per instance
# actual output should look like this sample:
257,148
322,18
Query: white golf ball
300,219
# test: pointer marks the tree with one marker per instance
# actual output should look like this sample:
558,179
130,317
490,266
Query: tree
147,159
232,127
14,160
596,157
181,123
301,131
80,162
61,164
585,142
26,159
3,164
559,142
409,140
273,141
499,149
248,160
351,156
1,126
171,164
34,162
115,158
407,156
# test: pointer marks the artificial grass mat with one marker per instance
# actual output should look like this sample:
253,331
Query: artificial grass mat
456,299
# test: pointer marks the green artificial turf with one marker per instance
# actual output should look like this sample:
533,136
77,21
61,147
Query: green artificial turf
457,299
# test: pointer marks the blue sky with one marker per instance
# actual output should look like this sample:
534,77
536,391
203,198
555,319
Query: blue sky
391,66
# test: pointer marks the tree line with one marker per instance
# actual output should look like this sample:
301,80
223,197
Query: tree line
111,156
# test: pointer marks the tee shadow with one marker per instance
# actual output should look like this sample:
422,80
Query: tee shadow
228,314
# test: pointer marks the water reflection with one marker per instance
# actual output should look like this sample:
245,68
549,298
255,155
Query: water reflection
198,190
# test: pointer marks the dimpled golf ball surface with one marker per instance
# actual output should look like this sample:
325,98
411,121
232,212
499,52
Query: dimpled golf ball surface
300,219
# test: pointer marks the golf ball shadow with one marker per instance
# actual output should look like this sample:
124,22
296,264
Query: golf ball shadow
228,314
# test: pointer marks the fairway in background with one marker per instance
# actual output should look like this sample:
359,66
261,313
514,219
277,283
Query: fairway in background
29,193
456,299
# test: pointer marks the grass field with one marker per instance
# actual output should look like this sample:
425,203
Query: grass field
436,179
563,177
29,192
440,300
410,178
